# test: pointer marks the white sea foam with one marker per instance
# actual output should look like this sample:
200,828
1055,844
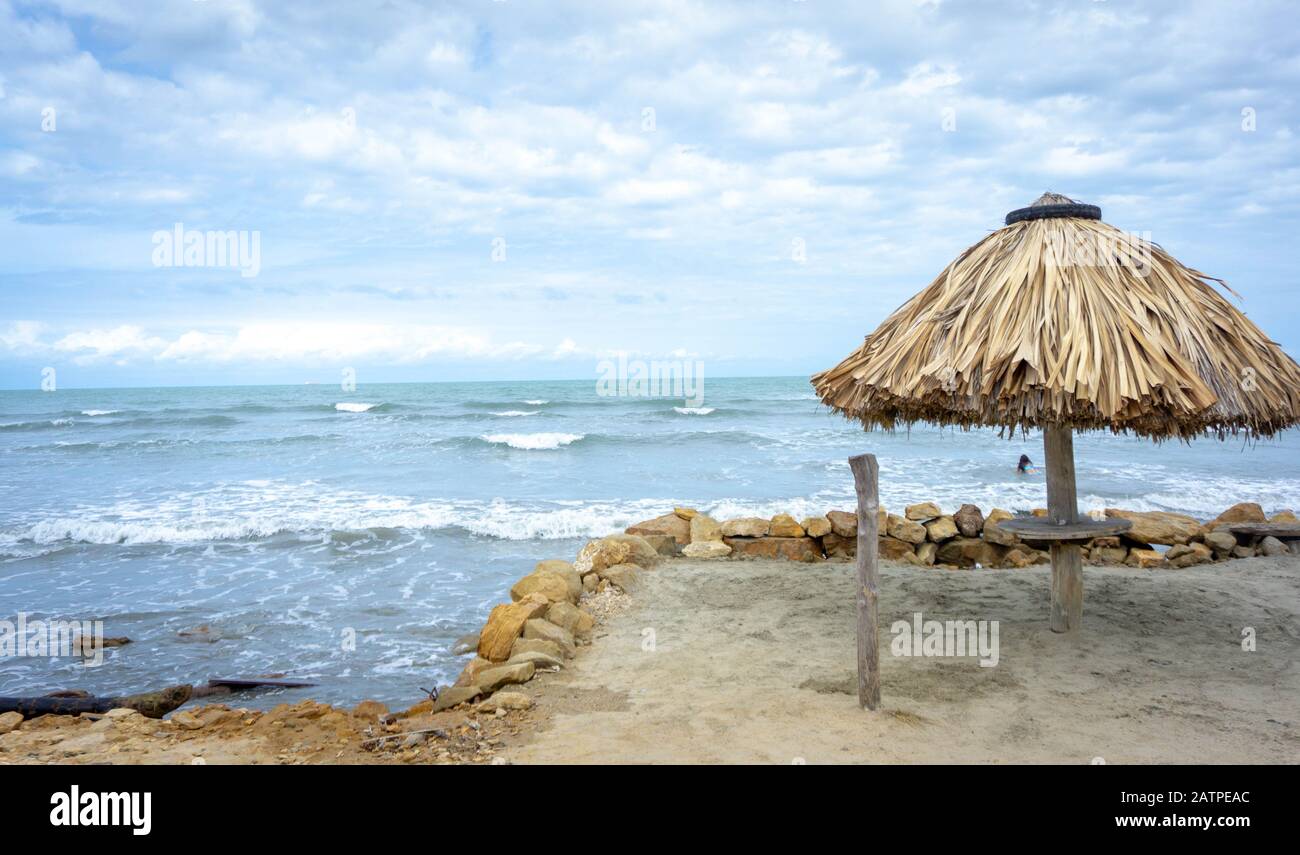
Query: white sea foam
694,411
532,441
347,407
260,509
98,412
536,402
241,512
60,422
516,413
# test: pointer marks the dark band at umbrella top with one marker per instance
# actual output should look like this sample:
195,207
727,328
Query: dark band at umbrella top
1054,205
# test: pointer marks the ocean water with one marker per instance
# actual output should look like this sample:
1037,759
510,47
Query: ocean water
293,520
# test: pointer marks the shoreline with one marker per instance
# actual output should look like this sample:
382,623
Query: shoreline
569,623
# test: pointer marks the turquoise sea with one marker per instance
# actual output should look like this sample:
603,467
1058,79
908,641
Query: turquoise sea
292,518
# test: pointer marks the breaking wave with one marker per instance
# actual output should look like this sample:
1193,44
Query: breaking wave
533,441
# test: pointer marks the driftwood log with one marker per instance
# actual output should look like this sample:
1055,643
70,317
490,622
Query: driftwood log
149,704
226,687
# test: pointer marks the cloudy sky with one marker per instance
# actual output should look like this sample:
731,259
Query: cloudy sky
517,189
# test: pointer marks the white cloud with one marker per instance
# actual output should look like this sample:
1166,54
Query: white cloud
281,341
380,179
926,77
1071,160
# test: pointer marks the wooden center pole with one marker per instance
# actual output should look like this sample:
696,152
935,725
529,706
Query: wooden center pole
1062,507
865,476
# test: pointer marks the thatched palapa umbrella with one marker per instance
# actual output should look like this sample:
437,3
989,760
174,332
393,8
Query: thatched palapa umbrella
1059,321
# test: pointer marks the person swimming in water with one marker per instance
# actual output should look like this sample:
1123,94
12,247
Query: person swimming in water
1026,466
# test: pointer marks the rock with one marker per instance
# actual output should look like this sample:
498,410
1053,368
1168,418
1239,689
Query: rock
9,721
465,644
539,660
1039,512
505,701
1016,557
1222,542
1242,512
422,708
370,710
536,645
615,549
893,549
840,547
203,633
547,631
88,645
1109,554
783,548
122,714
1133,542
940,529
969,520
589,582
663,544
927,554
678,528
1144,558
469,674
783,525
704,529
746,527
816,526
922,511
969,551
994,534
706,549
491,679
1107,542
535,605
687,514
563,569
454,696
1158,526
572,618
191,720
504,625
1187,554
1272,546
905,529
554,587
625,577
844,523
1280,517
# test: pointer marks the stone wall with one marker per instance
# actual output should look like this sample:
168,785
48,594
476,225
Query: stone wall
553,610
967,538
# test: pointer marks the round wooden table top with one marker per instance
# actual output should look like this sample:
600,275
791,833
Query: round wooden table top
1042,528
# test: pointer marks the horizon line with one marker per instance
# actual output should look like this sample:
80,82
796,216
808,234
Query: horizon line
359,385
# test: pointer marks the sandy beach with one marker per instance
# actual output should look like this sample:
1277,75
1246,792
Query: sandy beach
753,662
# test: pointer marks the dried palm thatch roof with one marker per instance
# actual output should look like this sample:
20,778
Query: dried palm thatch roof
1061,318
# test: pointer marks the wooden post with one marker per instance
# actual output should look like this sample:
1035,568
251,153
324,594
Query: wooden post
1062,507
865,474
